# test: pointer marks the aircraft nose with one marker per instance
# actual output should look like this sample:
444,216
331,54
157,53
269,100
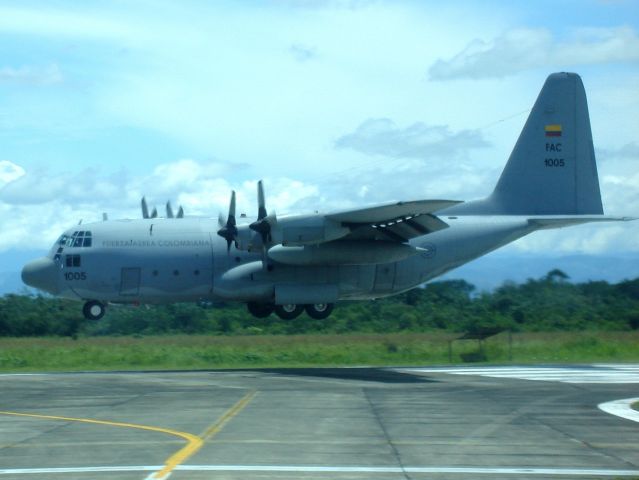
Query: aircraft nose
42,274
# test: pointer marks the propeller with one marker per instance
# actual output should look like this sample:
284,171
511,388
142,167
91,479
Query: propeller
154,212
264,222
228,230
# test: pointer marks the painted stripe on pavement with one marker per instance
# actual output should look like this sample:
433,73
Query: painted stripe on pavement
621,408
184,454
606,374
549,471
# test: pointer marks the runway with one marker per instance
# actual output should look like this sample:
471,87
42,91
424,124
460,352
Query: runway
351,423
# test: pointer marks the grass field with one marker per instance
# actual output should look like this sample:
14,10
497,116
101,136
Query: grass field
203,352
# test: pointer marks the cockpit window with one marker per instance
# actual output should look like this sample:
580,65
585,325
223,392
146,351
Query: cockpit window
78,239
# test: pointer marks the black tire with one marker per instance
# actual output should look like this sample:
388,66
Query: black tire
93,310
319,311
260,310
289,312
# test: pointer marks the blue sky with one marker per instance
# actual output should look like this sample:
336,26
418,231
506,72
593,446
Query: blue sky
333,103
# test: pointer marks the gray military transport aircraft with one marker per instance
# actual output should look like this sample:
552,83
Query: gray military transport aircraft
294,263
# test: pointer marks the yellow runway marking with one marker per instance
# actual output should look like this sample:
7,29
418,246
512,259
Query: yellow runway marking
213,429
194,442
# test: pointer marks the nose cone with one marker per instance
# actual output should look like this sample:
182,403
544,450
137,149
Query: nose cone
42,274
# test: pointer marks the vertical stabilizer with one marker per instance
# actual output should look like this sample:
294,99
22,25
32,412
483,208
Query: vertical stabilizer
552,169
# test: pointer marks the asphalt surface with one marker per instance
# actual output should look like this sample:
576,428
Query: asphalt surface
354,423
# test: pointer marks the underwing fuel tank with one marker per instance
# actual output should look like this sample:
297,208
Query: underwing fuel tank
343,253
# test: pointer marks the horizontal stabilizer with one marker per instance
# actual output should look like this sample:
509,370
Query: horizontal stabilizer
559,221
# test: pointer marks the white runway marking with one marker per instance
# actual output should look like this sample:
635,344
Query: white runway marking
549,471
621,408
569,374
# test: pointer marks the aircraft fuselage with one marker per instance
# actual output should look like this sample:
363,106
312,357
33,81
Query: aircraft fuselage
169,260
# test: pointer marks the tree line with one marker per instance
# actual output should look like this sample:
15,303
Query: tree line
550,303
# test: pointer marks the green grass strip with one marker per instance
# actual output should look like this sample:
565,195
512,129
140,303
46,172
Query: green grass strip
204,351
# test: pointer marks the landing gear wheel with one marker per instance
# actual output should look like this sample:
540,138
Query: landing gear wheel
260,310
319,311
93,310
289,311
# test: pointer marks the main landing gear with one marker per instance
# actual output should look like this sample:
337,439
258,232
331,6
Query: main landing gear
93,310
318,311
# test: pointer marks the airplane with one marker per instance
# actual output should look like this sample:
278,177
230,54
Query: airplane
291,264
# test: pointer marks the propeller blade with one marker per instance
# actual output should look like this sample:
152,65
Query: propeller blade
180,213
169,210
145,208
261,204
228,230
262,225
232,207
154,213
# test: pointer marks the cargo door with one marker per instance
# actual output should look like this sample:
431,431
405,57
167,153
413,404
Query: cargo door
130,282
384,277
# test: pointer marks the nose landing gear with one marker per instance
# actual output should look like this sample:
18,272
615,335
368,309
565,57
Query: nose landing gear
93,310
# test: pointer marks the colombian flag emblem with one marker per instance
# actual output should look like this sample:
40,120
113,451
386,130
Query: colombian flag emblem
553,130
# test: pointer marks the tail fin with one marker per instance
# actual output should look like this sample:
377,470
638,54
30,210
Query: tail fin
552,169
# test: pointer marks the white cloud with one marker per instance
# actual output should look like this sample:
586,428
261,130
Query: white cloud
36,206
9,172
526,48
380,136
31,75
303,53
54,22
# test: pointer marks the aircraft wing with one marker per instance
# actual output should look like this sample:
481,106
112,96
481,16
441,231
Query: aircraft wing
399,221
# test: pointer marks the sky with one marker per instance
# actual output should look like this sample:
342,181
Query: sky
333,103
